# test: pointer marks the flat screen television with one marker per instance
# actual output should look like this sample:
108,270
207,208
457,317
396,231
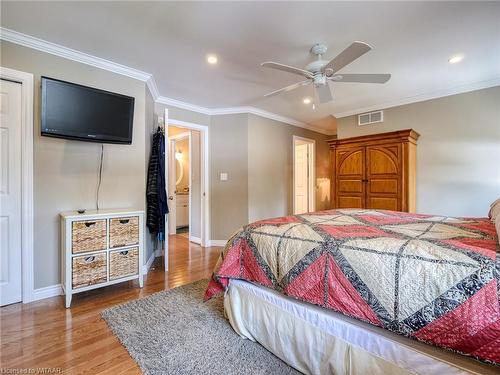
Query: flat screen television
84,113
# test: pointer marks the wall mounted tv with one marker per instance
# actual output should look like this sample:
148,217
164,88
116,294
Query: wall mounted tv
84,113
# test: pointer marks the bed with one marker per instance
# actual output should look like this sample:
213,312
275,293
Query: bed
378,279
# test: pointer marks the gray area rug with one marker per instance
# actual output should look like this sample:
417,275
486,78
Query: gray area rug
175,332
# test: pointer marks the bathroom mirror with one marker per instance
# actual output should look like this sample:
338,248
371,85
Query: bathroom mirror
179,171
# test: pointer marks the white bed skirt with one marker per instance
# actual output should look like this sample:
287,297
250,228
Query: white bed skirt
318,341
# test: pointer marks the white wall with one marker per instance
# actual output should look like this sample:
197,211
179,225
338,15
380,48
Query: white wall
458,153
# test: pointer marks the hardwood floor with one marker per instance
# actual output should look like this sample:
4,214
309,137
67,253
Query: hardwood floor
44,335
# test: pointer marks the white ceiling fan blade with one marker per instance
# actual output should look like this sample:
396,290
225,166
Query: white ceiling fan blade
324,93
361,78
347,56
287,68
288,88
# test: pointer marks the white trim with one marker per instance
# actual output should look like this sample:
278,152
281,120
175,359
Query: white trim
26,80
473,86
261,113
218,242
205,174
183,105
311,148
147,266
71,54
194,239
47,292
153,89
85,58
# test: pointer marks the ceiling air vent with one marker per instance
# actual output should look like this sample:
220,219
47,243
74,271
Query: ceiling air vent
371,118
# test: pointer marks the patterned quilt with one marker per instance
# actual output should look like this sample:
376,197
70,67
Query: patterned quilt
432,278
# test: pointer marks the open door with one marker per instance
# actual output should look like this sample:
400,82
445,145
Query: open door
171,193
303,175
167,186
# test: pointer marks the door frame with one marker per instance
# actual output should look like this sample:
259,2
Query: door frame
205,171
27,83
172,229
311,148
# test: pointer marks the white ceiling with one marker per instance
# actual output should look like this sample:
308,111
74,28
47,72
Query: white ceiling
411,40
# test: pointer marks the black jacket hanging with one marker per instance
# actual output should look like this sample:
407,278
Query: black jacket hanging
156,196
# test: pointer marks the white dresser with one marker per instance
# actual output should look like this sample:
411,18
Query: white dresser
100,248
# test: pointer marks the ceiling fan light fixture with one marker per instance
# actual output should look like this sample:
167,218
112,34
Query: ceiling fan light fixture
212,59
307,100
456,59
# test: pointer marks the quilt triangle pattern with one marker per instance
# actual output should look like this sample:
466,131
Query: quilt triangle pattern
431,231
417,275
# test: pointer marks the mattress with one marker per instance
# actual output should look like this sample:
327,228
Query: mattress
315,340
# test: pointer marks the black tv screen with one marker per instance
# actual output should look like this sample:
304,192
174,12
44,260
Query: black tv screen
84,113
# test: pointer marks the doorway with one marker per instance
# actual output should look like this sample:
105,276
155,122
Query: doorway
204,190
182,158
16,186
303,175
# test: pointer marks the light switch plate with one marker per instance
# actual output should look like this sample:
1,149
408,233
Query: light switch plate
223,176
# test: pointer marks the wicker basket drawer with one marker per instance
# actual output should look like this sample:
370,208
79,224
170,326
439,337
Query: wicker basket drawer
89,270
88,236
124,231
123,263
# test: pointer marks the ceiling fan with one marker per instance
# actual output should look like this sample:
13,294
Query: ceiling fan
320,72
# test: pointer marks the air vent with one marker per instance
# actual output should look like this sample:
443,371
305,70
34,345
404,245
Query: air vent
371,118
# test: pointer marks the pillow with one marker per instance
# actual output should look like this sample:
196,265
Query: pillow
497,225
494,210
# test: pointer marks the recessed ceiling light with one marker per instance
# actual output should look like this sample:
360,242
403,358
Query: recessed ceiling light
212,59
307,100
455,59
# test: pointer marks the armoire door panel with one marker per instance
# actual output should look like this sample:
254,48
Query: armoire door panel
383,173
383,160
384,186
383,203
350,186
350,202
350,162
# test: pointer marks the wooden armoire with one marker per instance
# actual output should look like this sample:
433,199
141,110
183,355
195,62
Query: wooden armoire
375,171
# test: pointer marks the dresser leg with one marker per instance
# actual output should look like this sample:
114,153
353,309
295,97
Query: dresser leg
68,300
141,281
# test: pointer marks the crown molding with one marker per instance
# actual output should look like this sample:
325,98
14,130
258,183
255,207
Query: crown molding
153,89
183,105
74,55
423,97
81,57
71,54
238,110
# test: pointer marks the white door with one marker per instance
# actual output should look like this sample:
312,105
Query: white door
10,192
172,197
301,166
167,169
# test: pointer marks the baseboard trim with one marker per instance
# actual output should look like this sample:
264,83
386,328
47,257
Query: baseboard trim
47,292
218,242
194,239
